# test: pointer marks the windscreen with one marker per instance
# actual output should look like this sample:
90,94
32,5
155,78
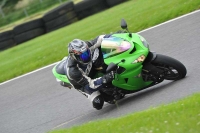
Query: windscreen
114,46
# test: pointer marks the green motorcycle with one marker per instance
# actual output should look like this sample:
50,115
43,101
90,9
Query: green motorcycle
135,66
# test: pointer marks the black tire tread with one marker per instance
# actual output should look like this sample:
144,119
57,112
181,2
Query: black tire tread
59,11
87,4
25,36
89,7
171,62
49,29
6,44
66,18
37,23
111,3
6,35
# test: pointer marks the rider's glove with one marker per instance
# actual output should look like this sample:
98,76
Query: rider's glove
107,78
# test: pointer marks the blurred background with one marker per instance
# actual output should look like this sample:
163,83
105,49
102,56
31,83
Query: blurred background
23,20
14,10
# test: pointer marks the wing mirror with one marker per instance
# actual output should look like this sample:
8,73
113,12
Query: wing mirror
111,67
124,26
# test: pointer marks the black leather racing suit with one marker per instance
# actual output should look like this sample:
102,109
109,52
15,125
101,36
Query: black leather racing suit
80,76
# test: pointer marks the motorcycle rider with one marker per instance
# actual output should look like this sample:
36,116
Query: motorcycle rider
84,60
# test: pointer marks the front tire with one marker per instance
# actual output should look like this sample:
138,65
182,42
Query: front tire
173,69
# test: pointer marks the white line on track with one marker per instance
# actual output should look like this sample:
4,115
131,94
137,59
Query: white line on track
68,122
27,74
138,32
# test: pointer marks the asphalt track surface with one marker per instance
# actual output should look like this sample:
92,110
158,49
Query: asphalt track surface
35,103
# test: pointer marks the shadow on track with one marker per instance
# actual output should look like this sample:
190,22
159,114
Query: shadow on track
130,101
136,97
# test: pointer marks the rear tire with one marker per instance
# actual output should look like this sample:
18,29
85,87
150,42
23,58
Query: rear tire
173,69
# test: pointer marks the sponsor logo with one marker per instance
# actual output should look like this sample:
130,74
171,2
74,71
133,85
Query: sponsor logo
97,100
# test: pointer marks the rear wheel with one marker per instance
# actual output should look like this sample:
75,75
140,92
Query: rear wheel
173,69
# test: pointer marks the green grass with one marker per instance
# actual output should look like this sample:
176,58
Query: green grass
50,48
178,117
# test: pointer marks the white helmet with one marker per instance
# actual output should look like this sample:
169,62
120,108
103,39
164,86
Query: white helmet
79,51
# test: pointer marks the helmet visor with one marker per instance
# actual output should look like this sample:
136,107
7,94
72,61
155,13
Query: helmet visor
84,57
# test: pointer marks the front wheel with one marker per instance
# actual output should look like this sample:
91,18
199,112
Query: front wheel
173,69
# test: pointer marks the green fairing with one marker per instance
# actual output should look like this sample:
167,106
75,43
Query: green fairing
132,74
133,71
59,76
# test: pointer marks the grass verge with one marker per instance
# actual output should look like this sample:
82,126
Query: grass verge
178,117
49,48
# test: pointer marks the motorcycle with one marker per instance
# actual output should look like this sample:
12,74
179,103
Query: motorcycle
135,66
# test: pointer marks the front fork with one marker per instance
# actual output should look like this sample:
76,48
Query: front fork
150,57
151,72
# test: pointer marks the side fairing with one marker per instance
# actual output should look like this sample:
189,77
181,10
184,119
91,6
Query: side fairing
131,76
59,76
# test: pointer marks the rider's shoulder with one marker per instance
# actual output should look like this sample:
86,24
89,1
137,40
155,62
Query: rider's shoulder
70,62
